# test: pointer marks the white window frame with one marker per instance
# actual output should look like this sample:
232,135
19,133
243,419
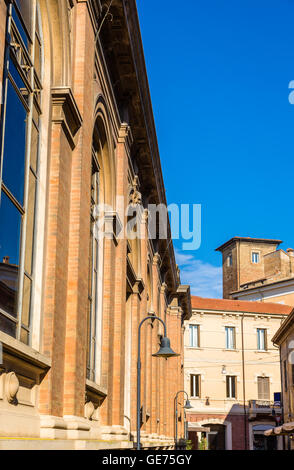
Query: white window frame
261,339
255,257
194,336
230,337
229,379
193,385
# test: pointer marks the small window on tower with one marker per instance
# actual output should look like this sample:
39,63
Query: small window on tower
255,257
230,260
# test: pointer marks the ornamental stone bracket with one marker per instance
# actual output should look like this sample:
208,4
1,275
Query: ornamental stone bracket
11,387
113,225
65,112
125,136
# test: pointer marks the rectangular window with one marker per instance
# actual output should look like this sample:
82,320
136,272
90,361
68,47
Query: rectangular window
255,257
261,339
285,376
230,260
93,275
194,336
231,382
195,385
263,385
230,337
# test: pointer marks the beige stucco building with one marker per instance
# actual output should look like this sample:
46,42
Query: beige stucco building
284,339
255,269
232,370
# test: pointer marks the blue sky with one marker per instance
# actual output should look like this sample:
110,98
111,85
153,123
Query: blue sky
219,73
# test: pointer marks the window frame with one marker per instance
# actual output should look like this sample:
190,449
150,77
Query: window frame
253,254
94,251
191,336
195,385
33,88
264,379
258,331
229,260
231,387
285,375
233,328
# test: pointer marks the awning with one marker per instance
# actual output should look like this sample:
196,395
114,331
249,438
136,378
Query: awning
197,428
287,428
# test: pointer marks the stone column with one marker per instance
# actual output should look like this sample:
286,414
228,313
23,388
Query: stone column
116,353
66,120
79,233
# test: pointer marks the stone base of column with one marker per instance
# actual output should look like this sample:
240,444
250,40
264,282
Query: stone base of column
154,441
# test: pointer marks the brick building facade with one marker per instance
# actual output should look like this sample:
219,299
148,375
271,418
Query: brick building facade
72,303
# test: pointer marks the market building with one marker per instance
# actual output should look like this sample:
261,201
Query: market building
77,130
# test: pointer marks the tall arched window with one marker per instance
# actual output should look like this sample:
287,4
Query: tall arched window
93,274
20,129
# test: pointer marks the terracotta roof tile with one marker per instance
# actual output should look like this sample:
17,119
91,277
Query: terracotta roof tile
240,306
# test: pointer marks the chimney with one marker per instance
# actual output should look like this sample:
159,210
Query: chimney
6,259
290,251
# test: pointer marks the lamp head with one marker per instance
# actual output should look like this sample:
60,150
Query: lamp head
165,349
188,405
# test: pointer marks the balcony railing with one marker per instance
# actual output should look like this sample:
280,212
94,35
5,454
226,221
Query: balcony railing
259,404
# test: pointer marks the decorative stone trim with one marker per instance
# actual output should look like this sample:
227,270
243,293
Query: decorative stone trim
113,225
65,112
11,386
125,136
20,350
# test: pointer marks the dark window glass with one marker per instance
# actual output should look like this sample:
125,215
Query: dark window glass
25,8
10,227
231,386
6,325
20,28
18,80
14,144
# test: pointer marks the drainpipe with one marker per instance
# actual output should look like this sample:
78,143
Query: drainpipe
244,388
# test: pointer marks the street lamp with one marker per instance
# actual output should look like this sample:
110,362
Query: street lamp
164,351
187,406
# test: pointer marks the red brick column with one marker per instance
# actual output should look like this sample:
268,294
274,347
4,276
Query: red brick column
144,311
79,221
136,304
163,372
107,341
57,247
155,384
117,352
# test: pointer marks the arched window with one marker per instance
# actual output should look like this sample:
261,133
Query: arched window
19,158
93,271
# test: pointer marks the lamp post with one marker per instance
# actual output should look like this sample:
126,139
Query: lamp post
187,406
164,351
